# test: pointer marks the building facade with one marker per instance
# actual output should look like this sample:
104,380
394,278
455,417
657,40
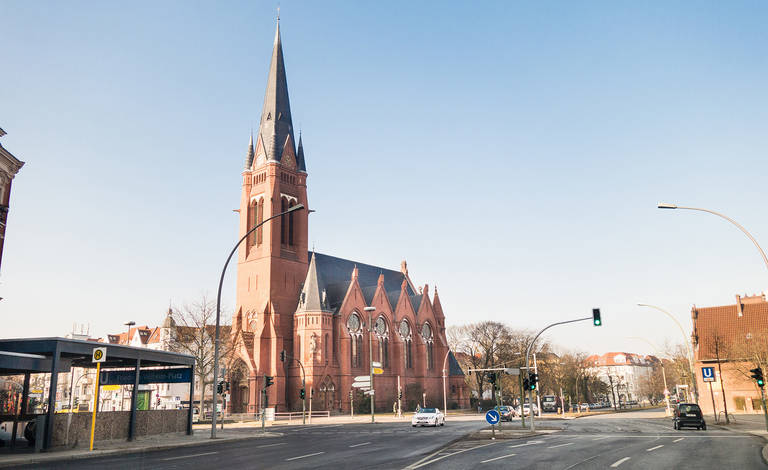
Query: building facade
732,339
9,166
624,373
312,305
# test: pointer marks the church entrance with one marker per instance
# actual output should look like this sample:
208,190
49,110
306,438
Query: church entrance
238,387
327,394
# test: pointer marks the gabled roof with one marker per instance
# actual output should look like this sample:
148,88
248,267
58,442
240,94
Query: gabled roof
453,365
334,276
313,296
732,329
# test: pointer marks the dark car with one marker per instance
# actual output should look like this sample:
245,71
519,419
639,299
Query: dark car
505,412
689,414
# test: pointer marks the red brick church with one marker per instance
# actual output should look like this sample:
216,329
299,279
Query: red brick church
312,305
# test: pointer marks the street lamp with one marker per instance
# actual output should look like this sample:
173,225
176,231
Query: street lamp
370,311
128,334
663,205
687,342
218,314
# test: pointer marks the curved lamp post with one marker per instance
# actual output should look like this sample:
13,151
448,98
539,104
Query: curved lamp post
749,235
687,342
218,316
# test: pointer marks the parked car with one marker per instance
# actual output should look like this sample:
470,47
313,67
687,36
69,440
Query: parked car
428,417
195,415
506,412
689,414
527,409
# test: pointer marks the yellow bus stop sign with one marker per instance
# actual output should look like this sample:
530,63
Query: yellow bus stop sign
378,370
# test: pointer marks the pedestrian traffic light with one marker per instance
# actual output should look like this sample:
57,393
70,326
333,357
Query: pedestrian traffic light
596,317
226,386
268,381
282,355
757,374
302,394
533,380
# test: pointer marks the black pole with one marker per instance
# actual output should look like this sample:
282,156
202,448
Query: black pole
134,395
218,315
191,399
52,398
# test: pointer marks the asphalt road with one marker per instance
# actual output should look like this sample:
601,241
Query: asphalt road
348,446
637,440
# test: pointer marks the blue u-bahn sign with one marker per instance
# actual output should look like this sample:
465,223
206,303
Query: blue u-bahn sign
152,376
708,374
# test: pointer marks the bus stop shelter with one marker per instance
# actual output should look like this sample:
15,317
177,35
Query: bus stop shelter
59,355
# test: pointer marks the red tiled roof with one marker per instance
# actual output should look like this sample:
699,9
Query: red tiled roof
610,359
725,324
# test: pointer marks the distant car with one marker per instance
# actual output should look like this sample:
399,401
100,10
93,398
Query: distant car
195,415
584,407
689,414
527,409
506,412
428,417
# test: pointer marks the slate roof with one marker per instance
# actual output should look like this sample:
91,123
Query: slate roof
334,275
732,329
454,368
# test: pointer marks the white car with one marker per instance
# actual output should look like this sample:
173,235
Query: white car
428,417
527,409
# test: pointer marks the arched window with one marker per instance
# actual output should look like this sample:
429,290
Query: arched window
382,333
408,354
405,334
251,222
355,331
426,333
283,225
325,348
290,227
359,358
259,219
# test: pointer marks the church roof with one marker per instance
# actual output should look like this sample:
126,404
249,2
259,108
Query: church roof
453,365
276,124
333,275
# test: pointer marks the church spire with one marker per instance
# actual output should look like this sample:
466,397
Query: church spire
300,156
249,158
276,124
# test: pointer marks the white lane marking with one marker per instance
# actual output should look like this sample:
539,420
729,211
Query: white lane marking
422,463
619,462
498,458
272,445
361,444
560,445
600,438
304,456
529,443
190,456
678,440
654,448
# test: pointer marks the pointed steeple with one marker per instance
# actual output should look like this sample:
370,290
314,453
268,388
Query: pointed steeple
276,124
313,293
249,158
300,156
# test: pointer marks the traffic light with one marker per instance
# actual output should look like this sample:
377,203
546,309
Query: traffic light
226,386
492,377
533,380
399,394
302,394
268,381
757,374
351,394
282,355
596,317
526,383
220,387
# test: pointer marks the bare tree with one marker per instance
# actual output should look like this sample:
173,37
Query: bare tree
194,334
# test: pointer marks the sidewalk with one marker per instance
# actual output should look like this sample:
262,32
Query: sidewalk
744,423
149,443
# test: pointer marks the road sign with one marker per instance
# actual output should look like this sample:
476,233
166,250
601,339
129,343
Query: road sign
512,371
361,384
99,355
378,371
492,416
369,392
152,376
111,388
363,378
376,364
708,373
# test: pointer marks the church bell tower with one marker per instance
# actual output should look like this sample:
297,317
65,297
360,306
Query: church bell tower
272,262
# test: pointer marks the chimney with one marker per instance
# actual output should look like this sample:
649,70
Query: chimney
739,307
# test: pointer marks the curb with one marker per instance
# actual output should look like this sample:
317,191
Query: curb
52,457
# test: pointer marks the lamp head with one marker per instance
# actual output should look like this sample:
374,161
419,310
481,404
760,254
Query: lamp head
664,205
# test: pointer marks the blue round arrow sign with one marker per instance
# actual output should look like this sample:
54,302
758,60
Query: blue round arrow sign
492,416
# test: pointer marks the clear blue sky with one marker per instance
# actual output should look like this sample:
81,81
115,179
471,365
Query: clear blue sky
513,153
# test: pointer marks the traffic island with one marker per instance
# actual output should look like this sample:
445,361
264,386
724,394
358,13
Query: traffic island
519,433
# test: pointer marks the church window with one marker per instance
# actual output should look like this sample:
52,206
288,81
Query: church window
355,331
325,347
290,229
259,219
426,333
408,354
283,225
251,222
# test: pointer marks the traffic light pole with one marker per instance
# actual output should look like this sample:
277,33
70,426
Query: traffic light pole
527,364
765,412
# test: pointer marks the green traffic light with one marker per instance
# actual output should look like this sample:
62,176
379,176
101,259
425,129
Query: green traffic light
760,382
597,322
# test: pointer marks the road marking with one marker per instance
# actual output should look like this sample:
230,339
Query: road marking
600,438
654,448
304,456
498,458
358,445
678,440
190,456
529,443
560,445
272,445
619,462
422,463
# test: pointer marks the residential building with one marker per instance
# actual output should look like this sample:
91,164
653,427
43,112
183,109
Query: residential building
9,166
624,373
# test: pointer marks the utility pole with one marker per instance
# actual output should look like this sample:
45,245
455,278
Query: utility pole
370,356
722,387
